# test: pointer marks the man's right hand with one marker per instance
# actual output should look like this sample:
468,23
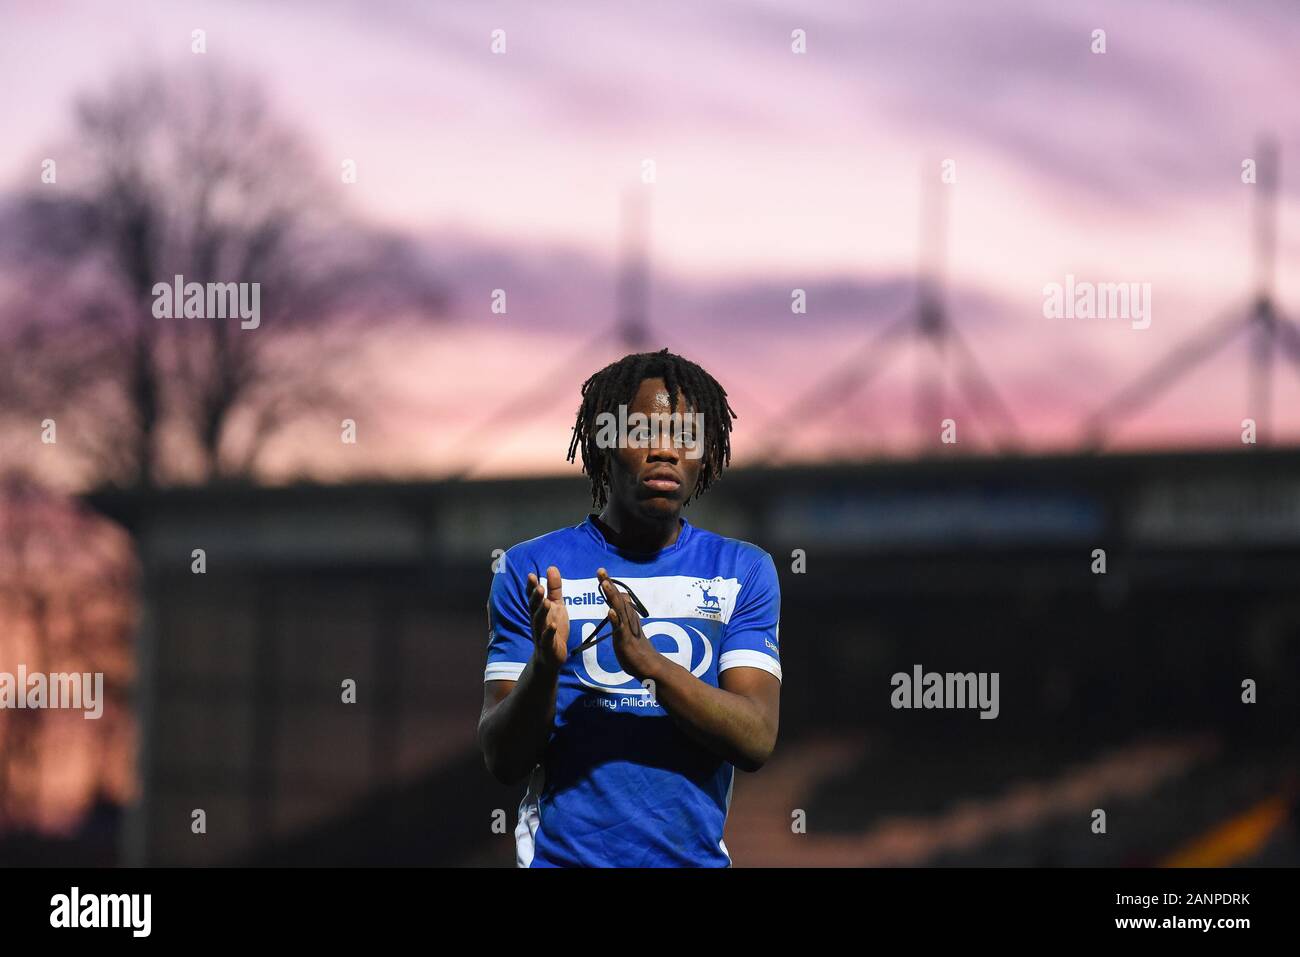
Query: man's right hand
550,618
518,716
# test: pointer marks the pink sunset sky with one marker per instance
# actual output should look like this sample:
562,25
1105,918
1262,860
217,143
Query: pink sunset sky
775,171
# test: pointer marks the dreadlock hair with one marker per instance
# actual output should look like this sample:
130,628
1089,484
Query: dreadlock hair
617,385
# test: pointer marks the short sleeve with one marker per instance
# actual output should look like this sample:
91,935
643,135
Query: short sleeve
510,640
752,635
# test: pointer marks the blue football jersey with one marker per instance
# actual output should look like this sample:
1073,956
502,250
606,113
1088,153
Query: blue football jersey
620,784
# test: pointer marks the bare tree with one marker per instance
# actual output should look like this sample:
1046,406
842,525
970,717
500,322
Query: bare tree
187,173
190,174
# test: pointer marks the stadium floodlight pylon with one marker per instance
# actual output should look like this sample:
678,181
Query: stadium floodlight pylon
941,350
630,333
1261,319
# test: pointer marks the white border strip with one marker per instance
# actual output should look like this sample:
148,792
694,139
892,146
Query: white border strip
504,671
744,658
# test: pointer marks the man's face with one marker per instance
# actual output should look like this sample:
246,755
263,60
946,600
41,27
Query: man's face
656,478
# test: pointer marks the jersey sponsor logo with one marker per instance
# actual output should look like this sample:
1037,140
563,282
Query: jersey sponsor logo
684,644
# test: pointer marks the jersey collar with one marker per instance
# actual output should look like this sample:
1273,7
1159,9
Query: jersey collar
592,529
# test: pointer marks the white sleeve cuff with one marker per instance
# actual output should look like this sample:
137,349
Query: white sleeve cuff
744,658
503,670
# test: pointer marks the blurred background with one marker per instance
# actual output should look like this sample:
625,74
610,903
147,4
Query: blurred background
456,213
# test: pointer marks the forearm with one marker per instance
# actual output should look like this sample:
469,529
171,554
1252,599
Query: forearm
513,733
728,724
